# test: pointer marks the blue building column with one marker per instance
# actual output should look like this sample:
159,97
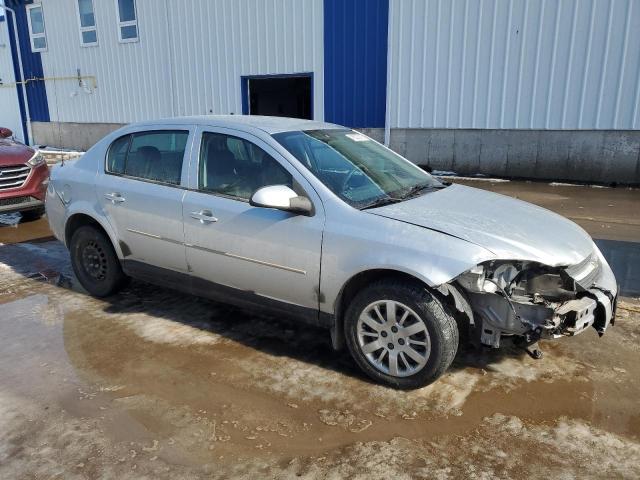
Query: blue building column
355,62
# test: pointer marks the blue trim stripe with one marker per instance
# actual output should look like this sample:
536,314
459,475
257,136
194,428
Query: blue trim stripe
355,62
32,66
244,85
17,75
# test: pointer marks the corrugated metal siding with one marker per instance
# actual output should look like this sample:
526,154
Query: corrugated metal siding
133,78
234,38
189,60
355,48
547,64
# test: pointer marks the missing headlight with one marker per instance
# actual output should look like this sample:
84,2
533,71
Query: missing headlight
490,277
553,286
520,280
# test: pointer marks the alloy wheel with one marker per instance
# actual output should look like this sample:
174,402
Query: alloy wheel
393,338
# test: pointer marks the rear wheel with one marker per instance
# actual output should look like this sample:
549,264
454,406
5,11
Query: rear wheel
95,263
400,334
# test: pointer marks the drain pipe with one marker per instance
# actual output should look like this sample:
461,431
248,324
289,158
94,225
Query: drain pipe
14,20
387,106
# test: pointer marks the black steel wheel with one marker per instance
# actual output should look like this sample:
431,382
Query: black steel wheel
95,262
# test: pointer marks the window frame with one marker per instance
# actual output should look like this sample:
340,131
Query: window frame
186,155
296,175
344,130
32,35
82,29
127,23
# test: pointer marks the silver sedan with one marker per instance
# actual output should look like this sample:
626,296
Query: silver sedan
321,223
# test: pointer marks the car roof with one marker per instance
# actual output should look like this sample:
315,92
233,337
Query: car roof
267,124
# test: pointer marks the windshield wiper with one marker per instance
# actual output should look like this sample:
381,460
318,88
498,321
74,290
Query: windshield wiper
413,191
381,202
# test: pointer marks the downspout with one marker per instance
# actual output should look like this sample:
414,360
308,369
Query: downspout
171,62
22,82
387,113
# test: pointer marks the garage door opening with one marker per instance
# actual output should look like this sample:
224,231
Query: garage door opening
279,96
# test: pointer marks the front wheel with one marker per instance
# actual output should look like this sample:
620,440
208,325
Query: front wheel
400,334
95,263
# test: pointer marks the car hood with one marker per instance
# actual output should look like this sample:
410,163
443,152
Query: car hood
509,228
14,153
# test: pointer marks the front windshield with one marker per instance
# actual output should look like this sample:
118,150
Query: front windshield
360,171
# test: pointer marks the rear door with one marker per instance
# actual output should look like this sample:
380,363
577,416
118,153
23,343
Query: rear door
141,191
260,254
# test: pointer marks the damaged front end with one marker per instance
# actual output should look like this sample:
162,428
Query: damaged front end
531,300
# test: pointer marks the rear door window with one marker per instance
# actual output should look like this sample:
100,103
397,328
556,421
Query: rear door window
155,156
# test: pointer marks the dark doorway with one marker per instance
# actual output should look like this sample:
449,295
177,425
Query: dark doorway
286,96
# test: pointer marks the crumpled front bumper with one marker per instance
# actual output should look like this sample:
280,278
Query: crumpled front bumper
594,306
597,306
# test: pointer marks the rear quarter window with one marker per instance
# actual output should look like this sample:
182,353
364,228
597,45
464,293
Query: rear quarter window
118,154
154,155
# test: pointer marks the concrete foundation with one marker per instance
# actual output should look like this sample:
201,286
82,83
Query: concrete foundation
78,136
601,156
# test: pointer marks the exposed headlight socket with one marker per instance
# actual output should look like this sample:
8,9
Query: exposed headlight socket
473,279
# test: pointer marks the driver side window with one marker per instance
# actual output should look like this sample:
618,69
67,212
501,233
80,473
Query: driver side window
235,167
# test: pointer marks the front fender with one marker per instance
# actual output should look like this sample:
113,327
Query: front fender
379,243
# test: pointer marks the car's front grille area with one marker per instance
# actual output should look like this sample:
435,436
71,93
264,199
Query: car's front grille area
13,176
16,201
585,272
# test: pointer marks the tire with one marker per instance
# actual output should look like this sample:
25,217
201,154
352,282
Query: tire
95,262
32,215
434,343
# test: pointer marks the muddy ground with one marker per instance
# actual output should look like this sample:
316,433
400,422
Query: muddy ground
155,384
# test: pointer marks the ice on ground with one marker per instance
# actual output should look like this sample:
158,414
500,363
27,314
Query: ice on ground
10,219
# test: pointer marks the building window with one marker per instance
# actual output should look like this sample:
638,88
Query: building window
127,20
35,18
87,20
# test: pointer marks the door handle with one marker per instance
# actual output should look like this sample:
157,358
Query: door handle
115,197
205,216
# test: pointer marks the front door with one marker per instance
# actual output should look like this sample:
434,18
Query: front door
141,194
258,254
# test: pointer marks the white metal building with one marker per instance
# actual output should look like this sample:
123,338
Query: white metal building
525,88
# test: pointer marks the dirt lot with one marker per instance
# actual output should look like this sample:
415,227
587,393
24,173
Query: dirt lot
154,384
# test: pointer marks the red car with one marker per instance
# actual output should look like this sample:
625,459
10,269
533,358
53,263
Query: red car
24,176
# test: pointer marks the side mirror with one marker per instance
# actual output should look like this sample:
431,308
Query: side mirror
281,197
5,132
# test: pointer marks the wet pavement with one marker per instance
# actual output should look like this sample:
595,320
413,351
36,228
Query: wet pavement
155,384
